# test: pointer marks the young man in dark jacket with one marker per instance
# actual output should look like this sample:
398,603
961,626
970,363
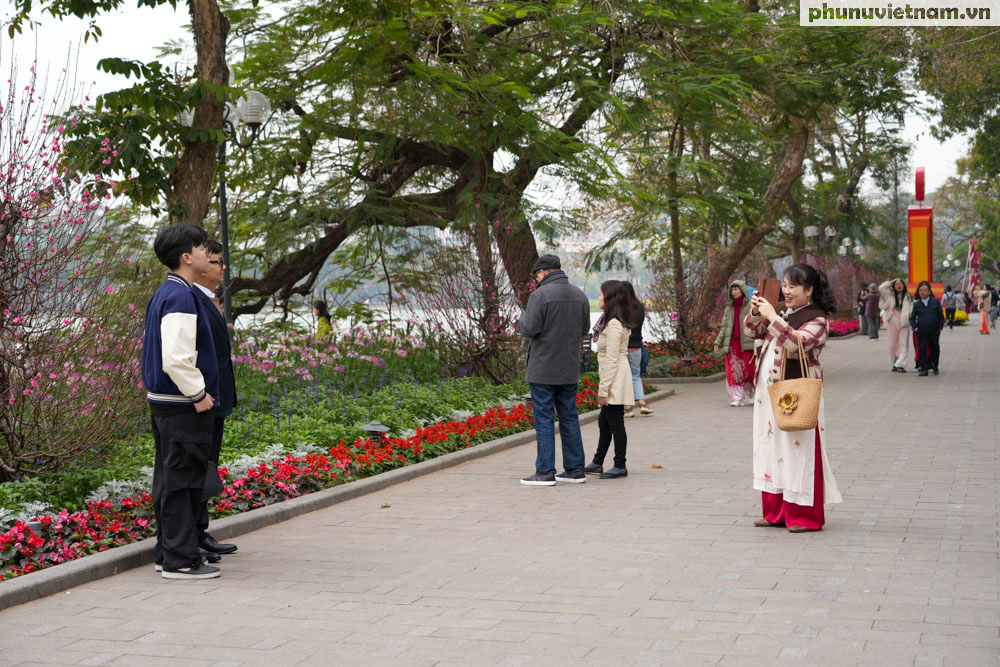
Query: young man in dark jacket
927,321
204,291
181,377
555,321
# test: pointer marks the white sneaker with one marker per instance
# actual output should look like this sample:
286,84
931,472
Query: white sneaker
736,404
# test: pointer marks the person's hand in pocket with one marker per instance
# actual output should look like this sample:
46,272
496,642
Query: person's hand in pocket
205,404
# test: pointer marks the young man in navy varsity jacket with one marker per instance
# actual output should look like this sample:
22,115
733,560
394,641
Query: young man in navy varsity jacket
181,375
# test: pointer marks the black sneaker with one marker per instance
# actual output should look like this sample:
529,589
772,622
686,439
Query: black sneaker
202,571
539,480
593,469
206,557
935,371
572,477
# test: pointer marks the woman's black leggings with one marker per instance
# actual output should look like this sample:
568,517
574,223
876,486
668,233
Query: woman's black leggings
612,424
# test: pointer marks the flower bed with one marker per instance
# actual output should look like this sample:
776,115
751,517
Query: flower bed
322,392
844,327
699,362
109,523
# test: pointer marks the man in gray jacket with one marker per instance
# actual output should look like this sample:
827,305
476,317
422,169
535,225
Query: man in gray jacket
555,321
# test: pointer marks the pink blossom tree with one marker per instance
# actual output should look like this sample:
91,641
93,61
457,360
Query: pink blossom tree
70,294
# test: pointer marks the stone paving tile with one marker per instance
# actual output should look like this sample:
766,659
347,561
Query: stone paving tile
467,567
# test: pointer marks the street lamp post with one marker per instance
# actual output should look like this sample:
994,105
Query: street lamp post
253,110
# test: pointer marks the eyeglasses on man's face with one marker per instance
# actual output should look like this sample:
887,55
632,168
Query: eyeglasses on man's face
217,262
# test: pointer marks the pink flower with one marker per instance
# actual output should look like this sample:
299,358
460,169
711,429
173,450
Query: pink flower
110,289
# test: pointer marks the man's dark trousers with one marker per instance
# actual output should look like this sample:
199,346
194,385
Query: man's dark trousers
872,323
226,400
183,439
202,521
928,340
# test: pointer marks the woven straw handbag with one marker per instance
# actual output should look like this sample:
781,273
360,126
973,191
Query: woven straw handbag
795,403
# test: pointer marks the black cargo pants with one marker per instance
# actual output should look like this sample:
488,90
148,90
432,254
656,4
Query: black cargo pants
183,440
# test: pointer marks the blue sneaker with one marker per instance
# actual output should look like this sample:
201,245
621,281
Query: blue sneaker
539,480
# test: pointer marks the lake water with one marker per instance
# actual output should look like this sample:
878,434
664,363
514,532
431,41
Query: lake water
305,321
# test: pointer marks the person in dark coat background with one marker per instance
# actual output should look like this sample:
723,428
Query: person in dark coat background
871,311
204,290
862,322
927,320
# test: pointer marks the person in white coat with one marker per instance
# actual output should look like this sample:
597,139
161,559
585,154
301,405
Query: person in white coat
791,468
896,304
615,391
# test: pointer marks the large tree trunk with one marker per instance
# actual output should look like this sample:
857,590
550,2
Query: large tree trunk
675,150
788,170
516,243
192,180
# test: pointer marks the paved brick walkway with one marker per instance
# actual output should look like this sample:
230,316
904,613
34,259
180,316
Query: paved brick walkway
467,567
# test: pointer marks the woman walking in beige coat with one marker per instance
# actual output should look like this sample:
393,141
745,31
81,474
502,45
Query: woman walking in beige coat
615,392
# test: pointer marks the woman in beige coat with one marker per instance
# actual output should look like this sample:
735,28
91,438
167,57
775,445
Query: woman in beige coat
615,392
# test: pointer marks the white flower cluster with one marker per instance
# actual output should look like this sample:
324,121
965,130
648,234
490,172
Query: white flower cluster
117,489
9,517
511,401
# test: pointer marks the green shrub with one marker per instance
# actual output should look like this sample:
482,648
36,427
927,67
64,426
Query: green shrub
660,367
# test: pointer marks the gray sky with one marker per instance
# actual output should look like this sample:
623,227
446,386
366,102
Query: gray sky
135,33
